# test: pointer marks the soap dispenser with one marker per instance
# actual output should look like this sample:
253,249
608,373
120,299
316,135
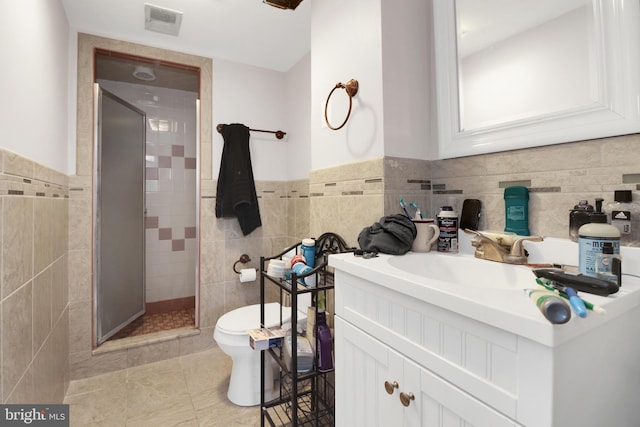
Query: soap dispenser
592,238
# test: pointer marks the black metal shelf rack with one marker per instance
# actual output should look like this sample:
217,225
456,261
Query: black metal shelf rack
304,399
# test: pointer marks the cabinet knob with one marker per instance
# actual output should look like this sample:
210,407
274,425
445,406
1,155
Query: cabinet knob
406,398
390,387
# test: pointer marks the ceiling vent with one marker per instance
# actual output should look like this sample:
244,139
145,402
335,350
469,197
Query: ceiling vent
283,4
161,20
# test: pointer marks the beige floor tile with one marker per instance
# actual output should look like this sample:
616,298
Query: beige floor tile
170,416
225,414
186,391
206,370
104,406
98,382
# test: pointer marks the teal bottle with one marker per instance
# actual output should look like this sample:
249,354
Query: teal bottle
516,204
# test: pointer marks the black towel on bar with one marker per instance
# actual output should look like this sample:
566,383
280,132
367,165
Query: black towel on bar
236,192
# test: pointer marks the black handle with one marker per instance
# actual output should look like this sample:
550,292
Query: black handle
579,282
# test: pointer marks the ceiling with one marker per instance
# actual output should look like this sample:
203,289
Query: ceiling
244,31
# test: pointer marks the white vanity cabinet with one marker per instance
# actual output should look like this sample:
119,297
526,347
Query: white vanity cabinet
391,390
456,370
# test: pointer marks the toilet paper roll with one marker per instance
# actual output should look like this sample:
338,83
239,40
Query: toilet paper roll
247,275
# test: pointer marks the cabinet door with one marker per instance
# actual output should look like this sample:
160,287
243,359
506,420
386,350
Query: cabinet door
421,398
444,405
363,364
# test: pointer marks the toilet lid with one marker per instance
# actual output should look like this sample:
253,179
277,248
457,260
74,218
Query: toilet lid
240,320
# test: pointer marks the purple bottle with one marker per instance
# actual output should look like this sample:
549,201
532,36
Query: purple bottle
324,343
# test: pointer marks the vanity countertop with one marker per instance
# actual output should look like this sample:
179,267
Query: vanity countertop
499,301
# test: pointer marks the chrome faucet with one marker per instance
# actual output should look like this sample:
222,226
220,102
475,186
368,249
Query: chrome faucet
487,248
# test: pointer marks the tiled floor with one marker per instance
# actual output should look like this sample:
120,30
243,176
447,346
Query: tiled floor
149,323
185,391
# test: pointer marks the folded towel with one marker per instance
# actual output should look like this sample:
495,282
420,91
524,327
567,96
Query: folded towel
236,192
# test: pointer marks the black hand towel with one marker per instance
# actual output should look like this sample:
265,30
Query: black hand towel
236,192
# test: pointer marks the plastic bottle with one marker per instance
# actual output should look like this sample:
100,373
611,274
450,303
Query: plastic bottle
625,216
308,249
300,268
448,224
608,264
592,238
579,216
516,204
324,346
551,305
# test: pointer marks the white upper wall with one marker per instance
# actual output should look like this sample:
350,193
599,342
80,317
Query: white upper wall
255,97
385,49
406,49
269,100
34,81
346,44
386,46
298,114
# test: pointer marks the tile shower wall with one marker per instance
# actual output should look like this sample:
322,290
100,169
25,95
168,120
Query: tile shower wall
170,200
34,299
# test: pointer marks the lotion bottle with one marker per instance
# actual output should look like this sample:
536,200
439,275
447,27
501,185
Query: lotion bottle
592,238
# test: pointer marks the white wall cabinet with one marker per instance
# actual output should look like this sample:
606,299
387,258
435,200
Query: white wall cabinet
465,372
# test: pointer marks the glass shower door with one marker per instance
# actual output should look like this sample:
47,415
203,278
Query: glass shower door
119,182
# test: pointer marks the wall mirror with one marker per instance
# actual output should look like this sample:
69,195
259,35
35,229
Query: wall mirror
534,72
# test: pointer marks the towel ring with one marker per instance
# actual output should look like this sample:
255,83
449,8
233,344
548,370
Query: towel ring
352,89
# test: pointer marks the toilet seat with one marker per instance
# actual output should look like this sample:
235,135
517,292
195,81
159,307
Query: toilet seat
240,320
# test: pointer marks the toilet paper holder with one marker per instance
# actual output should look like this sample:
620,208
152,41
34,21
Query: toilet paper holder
244,258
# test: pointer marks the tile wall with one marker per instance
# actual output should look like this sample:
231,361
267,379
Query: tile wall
558,176
347,198
34,299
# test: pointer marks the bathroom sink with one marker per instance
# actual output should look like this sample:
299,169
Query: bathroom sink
464,270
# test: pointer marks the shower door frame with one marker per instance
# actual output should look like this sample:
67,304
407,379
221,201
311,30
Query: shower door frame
102,336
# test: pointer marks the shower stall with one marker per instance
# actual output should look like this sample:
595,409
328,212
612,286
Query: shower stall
146,181
119,227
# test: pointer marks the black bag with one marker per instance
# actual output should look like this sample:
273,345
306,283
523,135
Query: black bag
394,235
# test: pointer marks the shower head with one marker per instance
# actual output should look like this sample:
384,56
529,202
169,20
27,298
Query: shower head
144,73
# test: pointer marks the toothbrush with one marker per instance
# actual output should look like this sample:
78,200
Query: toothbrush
587,304
404,208
576,303
419,213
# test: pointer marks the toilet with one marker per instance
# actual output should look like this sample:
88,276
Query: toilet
232,338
